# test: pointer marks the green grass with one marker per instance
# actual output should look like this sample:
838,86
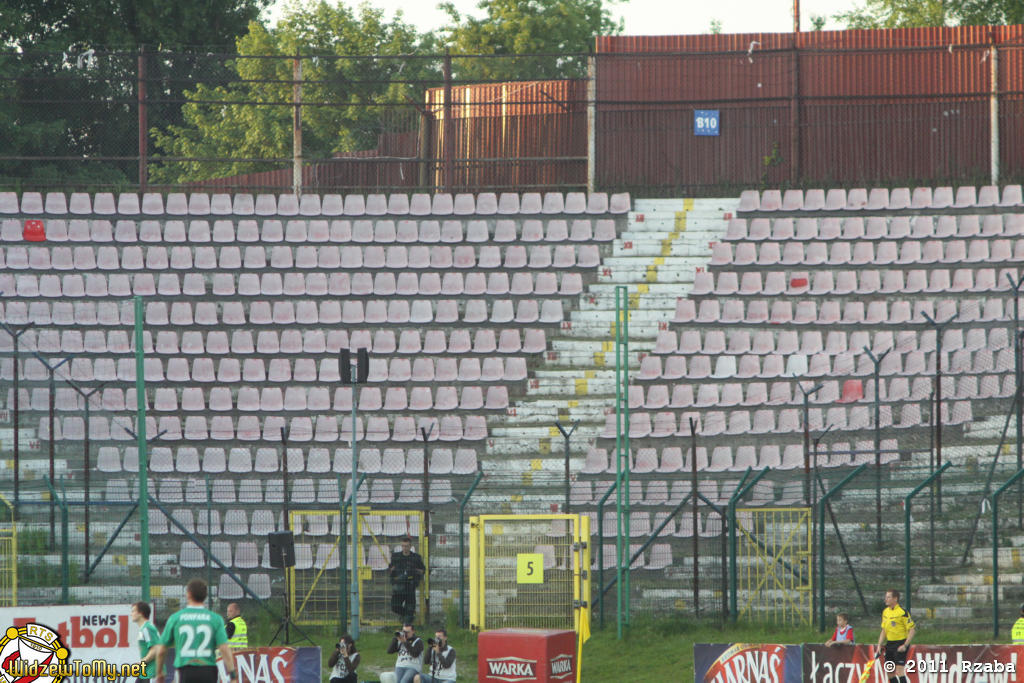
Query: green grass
664,645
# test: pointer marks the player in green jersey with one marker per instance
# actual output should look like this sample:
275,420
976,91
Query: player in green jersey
196,634
149,640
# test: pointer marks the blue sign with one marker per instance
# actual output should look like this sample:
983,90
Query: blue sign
705,122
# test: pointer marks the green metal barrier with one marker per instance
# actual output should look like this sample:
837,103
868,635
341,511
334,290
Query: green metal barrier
821,539
995,550
906,528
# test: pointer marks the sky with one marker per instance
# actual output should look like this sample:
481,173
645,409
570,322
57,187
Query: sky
652,17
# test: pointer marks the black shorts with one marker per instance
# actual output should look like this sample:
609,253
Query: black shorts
892,653
197,674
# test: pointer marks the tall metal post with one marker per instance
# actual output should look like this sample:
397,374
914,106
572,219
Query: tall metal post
939,329
143,125
695,517
877,360
354,375
622,464
297,124
1018,382
993,60
140,420
448,125
16,331
354,514
425,433
567,435
807,438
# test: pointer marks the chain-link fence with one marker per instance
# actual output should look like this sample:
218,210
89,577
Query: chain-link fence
615,120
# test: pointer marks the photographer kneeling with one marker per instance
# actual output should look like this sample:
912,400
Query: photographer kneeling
344,661
440,660
409,647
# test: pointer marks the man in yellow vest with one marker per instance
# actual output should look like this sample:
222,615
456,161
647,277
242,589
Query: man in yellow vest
1017,634
238,634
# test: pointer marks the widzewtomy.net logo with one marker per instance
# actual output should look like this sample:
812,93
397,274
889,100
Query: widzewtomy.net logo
34,653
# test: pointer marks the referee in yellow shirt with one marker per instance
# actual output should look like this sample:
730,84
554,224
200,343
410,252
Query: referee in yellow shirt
897,631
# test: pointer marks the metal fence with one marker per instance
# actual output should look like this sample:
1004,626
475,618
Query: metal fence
615,120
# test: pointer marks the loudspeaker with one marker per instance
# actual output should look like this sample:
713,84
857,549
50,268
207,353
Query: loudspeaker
282,549
362,366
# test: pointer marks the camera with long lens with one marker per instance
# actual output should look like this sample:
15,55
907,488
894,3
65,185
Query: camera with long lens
398,634
431,642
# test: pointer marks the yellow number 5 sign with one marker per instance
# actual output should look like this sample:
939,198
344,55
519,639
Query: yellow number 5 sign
529,568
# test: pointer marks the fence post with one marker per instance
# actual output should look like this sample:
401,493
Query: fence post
995,550
993,59
297,124
730,520
694,516
794,117
462,549
447,144
143,122
821,540
906,528
567,435
591,123
143,446
600,543
65,568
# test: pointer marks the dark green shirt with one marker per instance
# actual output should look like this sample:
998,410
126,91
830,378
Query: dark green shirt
195,633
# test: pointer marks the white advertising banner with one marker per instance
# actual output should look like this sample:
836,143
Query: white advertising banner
88,632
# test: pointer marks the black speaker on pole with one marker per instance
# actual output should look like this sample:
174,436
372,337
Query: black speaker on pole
362,366
282,549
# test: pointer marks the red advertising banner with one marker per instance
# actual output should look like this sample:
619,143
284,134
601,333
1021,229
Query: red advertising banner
925,664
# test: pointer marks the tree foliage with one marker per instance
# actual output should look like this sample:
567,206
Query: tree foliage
347,96
71,68
557,31
910,13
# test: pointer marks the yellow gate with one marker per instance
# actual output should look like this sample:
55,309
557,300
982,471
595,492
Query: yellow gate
529,571
8,555
315,582
774,564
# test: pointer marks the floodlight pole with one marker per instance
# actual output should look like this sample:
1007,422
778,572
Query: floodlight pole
939,329
1019,380
807,438
877,360
16,331
567,435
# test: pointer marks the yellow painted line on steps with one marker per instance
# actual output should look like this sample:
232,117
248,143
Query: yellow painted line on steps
581,387
599,359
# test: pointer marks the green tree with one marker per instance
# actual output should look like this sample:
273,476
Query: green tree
355,66
124,24
896,14
70,72
908,13
557,32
